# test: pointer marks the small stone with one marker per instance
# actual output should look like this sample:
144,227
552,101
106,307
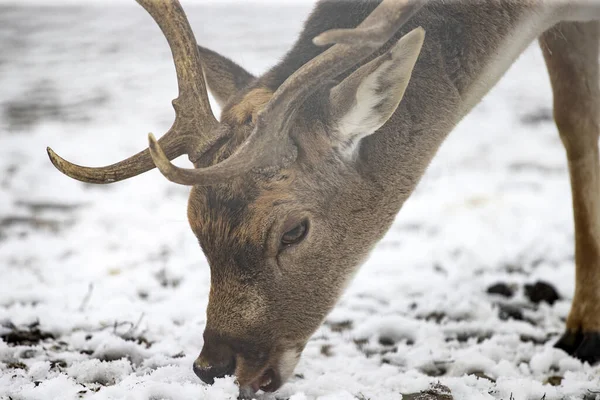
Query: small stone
506,312
326,350
541,291
28,353
501,289
386,341
554,380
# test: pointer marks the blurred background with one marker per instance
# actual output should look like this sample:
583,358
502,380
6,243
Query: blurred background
103,289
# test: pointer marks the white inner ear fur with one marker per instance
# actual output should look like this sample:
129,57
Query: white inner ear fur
365,100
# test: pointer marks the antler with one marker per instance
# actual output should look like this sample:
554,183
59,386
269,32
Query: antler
269,143
194,122
377,28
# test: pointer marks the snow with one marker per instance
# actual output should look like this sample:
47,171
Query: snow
114,279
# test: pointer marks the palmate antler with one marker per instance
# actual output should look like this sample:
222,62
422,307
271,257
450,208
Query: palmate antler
194,121
195,125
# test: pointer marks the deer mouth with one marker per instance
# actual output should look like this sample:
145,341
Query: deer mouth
268,381
271,376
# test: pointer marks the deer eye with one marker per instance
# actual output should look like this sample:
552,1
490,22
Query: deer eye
295,235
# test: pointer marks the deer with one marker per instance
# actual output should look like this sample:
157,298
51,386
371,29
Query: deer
309,163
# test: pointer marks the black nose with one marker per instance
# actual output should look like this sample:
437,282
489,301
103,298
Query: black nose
208,373
215,361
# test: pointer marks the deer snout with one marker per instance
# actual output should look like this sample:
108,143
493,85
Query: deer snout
216,360
254,366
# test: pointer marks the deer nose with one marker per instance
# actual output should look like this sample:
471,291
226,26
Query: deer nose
215,361
209,372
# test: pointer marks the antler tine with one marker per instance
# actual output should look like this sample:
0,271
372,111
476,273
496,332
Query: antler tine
194,122
377,28
352,46
269,141
128,168
192,103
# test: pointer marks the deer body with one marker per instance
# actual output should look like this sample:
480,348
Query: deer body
326,170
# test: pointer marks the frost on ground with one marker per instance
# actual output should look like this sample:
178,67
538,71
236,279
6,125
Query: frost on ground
103,289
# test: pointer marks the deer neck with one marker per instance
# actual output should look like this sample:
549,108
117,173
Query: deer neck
468,48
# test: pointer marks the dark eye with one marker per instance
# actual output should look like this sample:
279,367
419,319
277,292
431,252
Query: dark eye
295,235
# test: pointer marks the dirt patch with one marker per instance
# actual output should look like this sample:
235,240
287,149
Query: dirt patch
554,380
31,220
167,279
58,365
340,326
436,392
463,337
42,102
41,206
506,312
34,223
535,167
9,172
434,369
541,292
27,336
22,225
533,339
326,350
537,117
501,289
16,365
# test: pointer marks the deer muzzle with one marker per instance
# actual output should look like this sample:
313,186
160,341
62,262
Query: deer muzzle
254,369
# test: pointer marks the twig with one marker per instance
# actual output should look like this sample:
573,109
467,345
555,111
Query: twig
118,324
135,327
86,298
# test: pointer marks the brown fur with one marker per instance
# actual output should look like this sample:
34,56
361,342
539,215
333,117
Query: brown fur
245,111
239,117
571,54
265,299
351,164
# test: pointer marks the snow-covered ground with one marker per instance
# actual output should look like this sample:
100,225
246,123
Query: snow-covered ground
103,289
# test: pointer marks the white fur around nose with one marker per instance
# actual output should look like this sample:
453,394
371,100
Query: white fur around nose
288,361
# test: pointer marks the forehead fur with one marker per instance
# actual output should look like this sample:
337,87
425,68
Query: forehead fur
238,116
232,221
219,211
229,217
219,214
244,110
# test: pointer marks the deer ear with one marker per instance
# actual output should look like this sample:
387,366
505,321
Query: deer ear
224,78
366,99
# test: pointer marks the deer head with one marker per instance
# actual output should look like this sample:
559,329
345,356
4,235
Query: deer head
281,201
